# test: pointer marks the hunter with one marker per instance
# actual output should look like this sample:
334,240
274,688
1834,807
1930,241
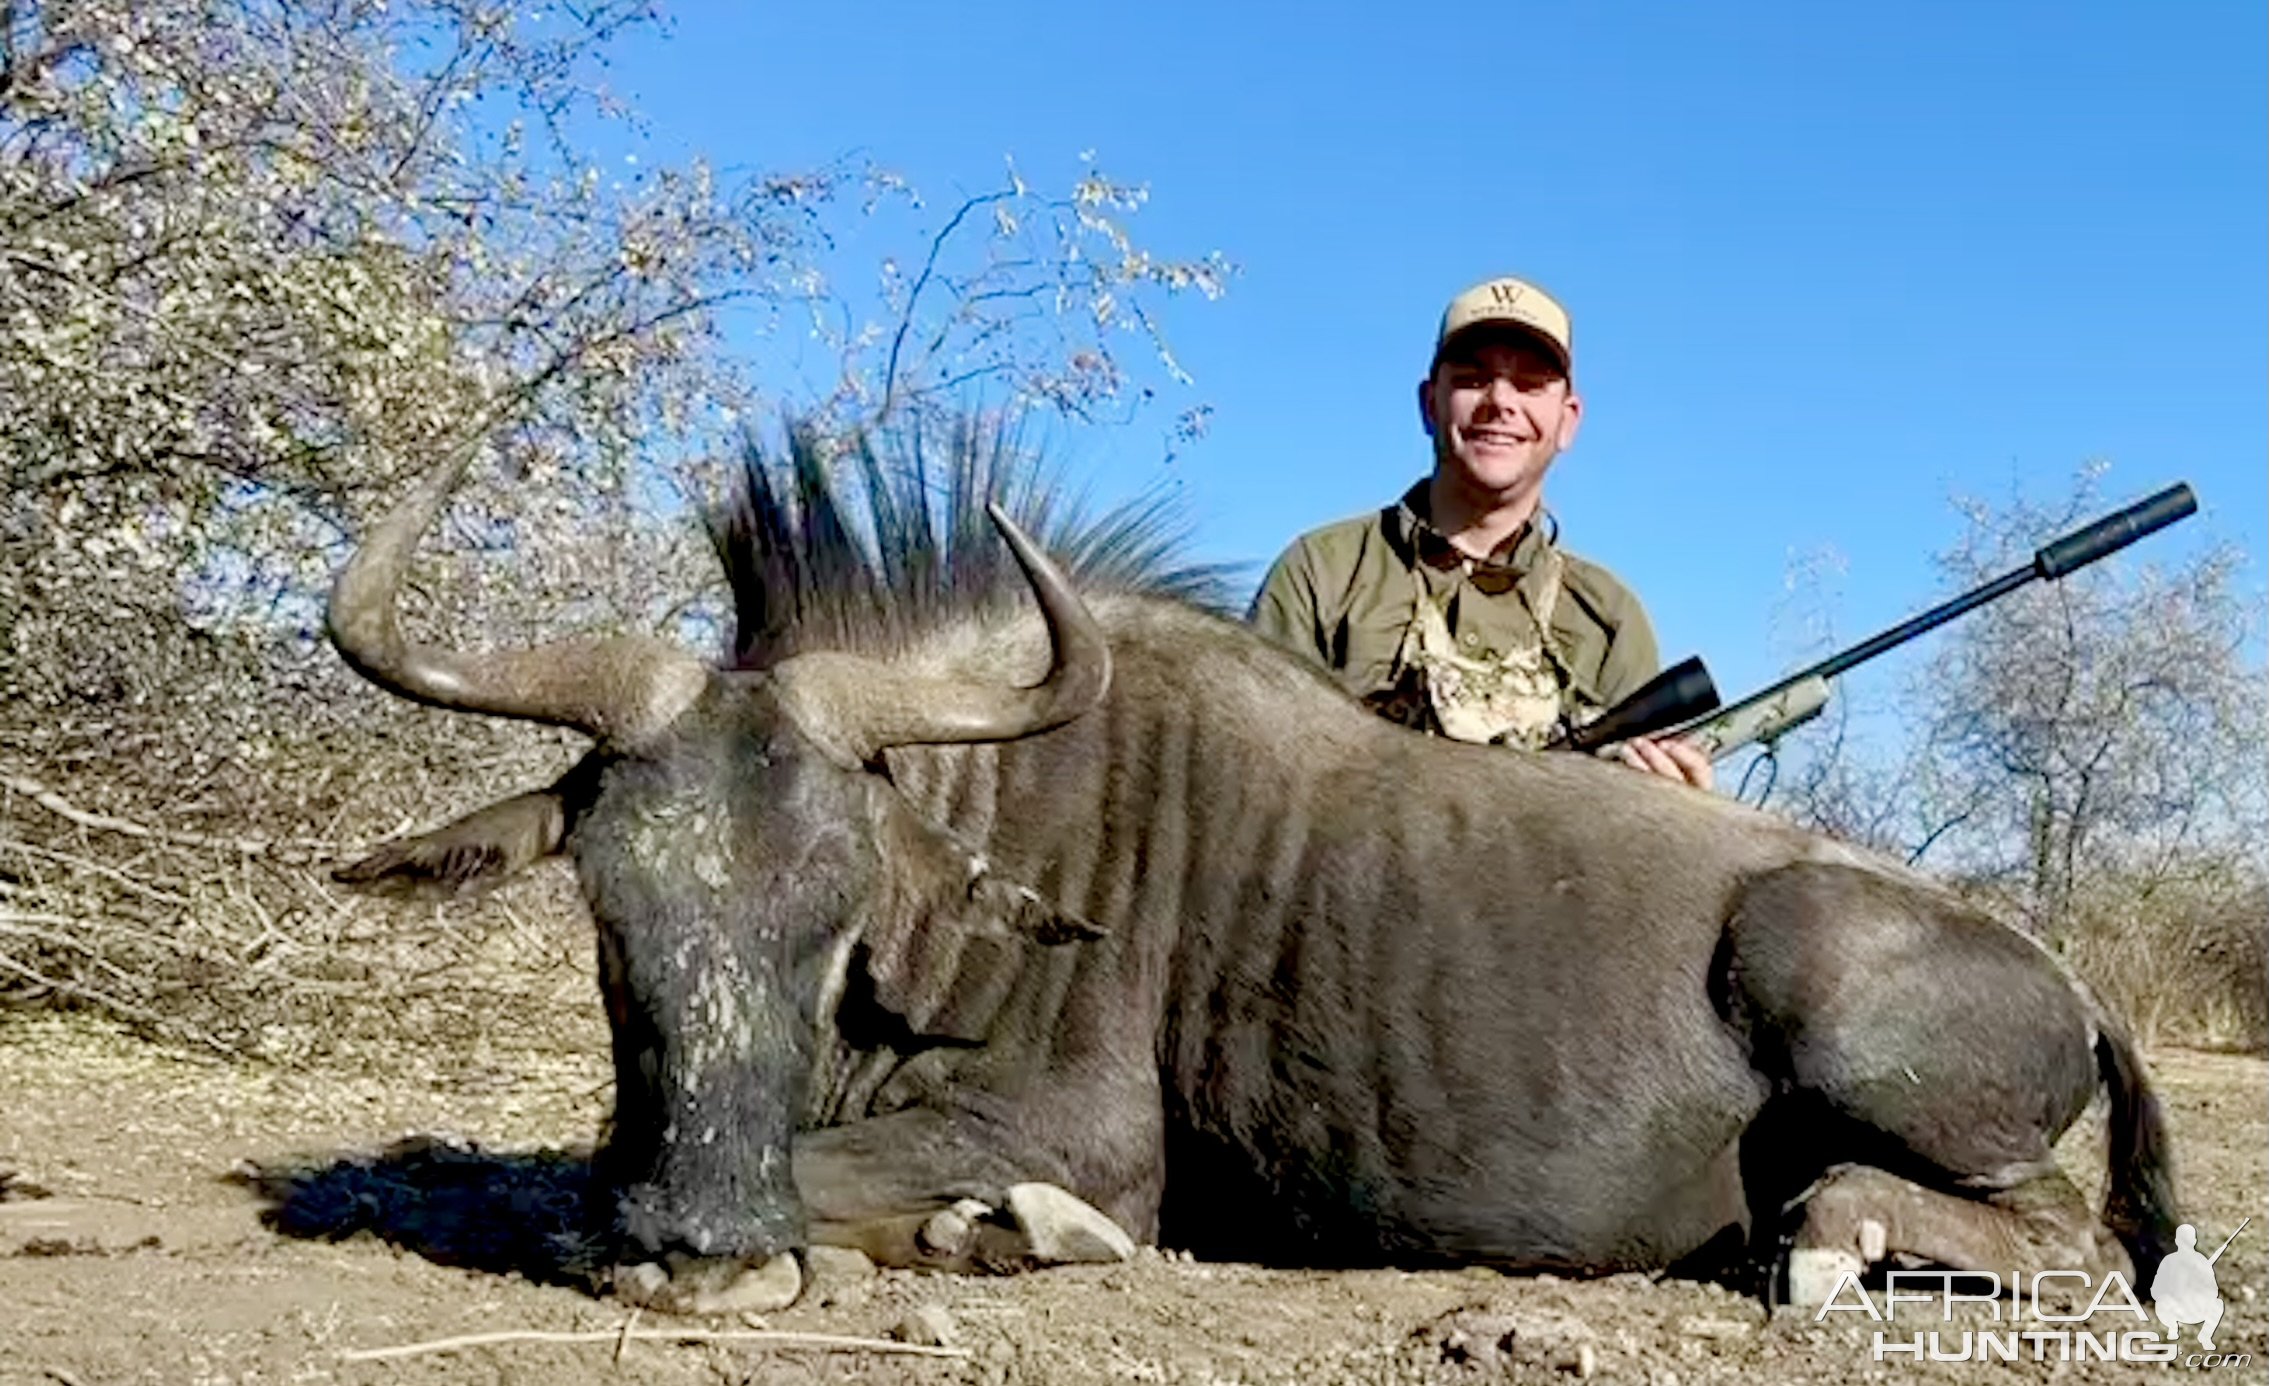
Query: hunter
1455,610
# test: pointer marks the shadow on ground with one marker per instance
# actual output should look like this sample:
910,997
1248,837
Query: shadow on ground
517,1213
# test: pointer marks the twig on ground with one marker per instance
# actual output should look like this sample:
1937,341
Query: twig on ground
116,877
164,1024
63,808
80,989
823,1342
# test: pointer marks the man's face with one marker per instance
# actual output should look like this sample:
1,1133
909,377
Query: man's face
1500,408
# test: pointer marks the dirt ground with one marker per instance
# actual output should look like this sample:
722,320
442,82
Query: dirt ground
170,1219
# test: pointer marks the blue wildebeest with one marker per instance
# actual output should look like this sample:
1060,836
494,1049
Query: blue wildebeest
930,915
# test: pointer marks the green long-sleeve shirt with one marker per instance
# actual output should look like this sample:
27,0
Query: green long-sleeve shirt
1343,595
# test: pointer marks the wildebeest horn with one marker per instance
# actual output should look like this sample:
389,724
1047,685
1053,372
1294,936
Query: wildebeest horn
865,707
616,688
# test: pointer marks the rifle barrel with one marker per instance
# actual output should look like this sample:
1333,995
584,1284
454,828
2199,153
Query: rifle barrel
2225,1246
2052,560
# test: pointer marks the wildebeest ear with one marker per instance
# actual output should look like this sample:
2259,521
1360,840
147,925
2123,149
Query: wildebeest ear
947,936
480,850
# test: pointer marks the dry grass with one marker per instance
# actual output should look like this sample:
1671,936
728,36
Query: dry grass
178,880
2187,964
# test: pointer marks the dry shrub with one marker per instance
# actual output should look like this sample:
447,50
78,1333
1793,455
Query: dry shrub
165,858
2186,960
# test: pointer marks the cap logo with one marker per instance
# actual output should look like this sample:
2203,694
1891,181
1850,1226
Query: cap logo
1510,302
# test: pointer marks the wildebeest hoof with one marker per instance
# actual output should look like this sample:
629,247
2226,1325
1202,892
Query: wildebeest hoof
948,1233
1874,1241
711,1284
1059,1228
1037,1224
1815,1271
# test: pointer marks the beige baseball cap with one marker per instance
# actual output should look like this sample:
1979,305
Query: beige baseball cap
1508,303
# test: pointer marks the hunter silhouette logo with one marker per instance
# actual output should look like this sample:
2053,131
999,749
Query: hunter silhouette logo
2184,1289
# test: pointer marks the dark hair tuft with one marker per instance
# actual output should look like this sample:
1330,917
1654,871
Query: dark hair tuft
868,544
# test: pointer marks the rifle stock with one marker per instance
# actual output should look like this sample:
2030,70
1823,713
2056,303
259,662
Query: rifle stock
1762,717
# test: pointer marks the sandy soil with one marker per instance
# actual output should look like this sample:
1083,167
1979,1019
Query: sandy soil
166,1219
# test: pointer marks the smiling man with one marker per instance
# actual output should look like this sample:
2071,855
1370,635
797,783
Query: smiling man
1454,610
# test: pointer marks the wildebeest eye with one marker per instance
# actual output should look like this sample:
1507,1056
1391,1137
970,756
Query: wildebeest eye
1023,910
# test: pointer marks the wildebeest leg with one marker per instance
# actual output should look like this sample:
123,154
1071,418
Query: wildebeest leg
1910,1033
943,1191
1857,1217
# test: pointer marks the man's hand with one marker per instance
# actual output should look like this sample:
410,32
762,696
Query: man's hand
1672,759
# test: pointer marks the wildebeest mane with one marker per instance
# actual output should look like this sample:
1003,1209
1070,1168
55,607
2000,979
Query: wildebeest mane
865,545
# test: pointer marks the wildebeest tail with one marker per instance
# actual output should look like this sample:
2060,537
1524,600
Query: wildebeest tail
2139,1198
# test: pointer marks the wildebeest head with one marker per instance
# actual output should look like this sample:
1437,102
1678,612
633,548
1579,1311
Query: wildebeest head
733,842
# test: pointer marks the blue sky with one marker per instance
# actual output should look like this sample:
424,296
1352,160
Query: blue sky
1829,264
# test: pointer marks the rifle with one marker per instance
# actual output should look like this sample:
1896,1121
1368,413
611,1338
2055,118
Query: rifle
2225,1246
1683,702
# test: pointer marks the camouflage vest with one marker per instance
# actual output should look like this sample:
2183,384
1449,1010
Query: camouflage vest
1519,697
